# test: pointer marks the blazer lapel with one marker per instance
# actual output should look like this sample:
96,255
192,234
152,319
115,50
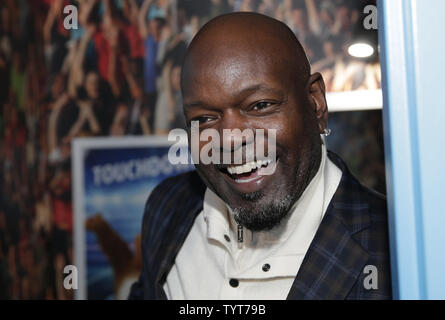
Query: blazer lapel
168,251
335,259
185,201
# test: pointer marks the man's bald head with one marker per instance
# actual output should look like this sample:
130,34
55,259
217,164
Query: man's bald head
248,34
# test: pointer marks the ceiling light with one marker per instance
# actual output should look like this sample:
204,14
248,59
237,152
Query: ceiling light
361,50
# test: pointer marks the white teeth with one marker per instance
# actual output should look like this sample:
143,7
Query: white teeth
248,167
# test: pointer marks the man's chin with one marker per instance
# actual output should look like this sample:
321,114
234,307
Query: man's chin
252,196
260,215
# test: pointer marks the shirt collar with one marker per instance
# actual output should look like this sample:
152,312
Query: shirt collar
216,216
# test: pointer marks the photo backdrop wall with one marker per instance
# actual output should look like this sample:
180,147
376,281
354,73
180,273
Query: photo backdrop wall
118,75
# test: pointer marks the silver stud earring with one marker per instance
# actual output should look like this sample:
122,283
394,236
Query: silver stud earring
327,132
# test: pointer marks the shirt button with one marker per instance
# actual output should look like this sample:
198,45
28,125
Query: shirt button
266,267
227,238
234,283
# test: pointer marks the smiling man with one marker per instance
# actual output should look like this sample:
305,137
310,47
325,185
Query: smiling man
309,230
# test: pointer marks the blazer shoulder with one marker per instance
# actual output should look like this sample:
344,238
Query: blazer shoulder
377,206
375,239
357,195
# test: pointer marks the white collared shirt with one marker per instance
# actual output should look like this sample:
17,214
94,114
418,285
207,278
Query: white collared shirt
212,264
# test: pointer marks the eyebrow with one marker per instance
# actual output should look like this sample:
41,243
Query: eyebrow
245,92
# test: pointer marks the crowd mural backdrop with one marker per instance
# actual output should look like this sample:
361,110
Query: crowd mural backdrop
118,74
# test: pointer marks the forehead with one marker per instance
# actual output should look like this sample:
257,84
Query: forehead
222,74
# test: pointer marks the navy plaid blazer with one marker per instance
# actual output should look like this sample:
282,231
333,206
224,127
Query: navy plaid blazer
352,235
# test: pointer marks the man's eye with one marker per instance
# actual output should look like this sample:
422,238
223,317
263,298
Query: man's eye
202,119
262,105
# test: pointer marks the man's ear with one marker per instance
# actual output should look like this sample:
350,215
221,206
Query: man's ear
317,97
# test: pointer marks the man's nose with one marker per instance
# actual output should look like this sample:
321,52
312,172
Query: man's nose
235,132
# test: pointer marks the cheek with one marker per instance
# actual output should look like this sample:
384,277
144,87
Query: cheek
289,129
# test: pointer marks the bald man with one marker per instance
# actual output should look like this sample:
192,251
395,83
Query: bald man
307,229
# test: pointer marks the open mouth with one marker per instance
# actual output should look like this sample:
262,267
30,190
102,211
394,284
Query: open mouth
250,171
